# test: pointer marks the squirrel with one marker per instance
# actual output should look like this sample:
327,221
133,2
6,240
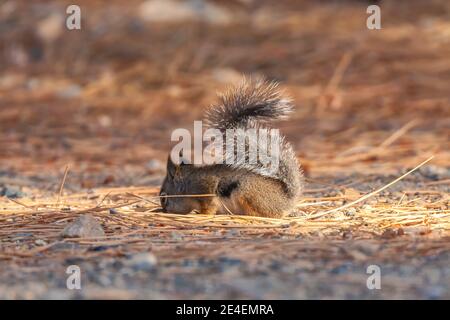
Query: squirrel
243,189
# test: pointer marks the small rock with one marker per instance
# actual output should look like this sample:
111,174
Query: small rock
233,233
11,192
435,172
113,211
142,261
85,226
40,242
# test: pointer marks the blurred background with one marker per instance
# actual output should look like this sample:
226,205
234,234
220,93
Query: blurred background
106,98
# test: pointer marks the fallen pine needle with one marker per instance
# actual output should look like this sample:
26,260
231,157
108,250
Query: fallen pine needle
321,214
61,187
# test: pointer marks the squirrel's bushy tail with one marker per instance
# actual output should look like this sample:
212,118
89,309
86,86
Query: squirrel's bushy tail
250,102
247,105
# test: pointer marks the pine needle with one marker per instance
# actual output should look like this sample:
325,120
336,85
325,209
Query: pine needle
365,197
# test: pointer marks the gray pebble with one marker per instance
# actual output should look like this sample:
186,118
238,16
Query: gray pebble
11,192
142,261
85,226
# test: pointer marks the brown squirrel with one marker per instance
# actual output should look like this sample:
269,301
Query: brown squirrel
238,188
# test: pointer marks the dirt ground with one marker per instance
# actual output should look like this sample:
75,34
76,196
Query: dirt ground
92,110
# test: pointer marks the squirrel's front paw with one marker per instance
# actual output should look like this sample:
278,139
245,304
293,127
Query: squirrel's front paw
209,207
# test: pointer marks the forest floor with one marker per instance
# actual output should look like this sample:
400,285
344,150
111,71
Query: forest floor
85,123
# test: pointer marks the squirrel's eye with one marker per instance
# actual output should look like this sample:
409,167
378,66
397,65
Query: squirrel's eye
163,199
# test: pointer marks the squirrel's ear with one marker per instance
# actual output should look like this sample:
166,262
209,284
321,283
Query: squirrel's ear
171,167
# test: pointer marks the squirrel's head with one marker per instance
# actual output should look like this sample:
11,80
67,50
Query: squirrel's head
176,183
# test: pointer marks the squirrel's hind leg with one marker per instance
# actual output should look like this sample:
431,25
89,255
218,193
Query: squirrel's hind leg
264,197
